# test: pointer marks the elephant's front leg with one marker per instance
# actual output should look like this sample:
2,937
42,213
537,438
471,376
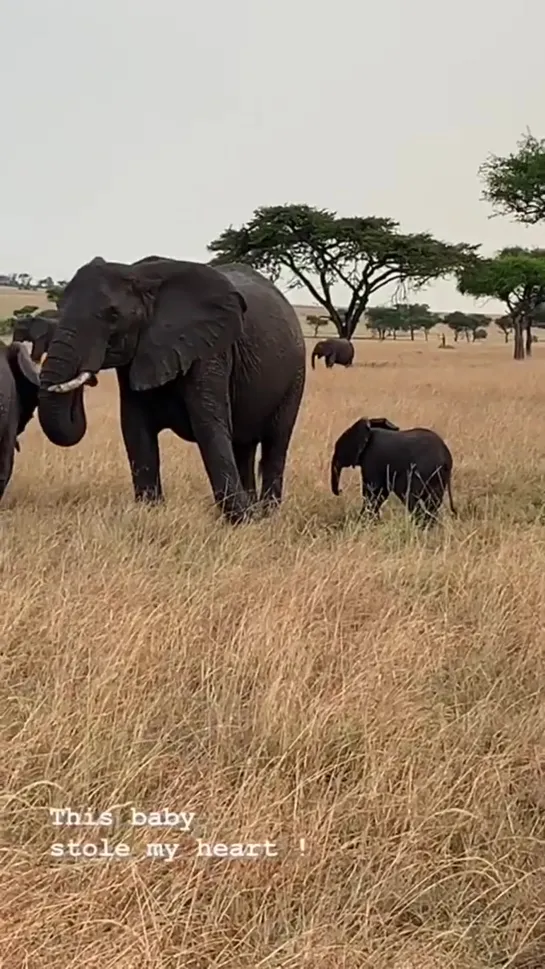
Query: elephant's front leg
207,399
141,443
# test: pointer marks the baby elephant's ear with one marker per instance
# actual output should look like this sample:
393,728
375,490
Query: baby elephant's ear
383,423
354,441
19,358
365,427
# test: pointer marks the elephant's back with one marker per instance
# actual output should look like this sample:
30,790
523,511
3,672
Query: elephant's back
431,447
267,308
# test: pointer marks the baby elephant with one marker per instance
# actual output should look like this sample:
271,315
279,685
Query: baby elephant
415,464
335,350
19,385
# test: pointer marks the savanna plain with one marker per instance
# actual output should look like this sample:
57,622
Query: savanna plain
377,692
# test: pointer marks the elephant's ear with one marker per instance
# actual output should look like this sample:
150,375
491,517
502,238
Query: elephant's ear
352,443
362,435
21,363
196,313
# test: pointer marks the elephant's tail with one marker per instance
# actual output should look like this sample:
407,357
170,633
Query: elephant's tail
313,358
452,508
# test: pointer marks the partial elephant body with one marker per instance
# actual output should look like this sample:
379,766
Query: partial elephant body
19,382
216,354
414,464
334,351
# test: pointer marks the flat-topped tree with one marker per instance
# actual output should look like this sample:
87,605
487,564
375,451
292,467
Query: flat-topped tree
415,317
317,322
515,184
383,320
467,323
401,317
505,326
321,250
516,277
55,291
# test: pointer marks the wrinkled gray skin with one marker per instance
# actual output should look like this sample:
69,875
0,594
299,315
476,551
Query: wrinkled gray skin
335,350
37,330
415,464
19,385
215,354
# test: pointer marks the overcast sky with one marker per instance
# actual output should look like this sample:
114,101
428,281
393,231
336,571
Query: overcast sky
134,127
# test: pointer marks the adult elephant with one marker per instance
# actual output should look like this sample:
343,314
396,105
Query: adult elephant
335,350
216,354
37,330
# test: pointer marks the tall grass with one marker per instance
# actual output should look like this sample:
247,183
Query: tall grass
370,690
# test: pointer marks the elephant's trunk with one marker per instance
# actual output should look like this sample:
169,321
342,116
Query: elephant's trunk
313,358
336,469
62,416
66,369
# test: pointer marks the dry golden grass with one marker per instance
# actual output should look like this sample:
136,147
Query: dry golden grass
374,691
14,299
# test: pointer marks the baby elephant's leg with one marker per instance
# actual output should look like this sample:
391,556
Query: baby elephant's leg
425,501
374,494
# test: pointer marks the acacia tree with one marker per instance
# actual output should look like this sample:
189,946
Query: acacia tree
408,317
466,323
427,323
383,320
55,291
456,322
320,250
515,185
416,316
317,322
516,277
505,325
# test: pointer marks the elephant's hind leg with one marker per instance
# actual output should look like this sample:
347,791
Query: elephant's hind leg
208,406
275,444
424,504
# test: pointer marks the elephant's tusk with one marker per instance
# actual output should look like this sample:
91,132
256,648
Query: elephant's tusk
73,384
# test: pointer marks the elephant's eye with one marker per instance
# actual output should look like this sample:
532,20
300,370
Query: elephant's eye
111,314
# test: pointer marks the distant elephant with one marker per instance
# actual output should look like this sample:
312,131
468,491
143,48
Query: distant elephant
415,464
216,354
37,330
335,351
19,386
